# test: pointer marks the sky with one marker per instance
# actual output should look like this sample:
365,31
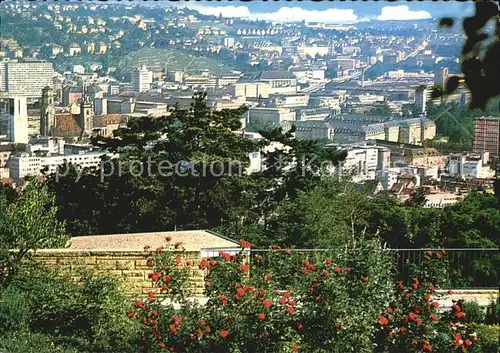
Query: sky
333,12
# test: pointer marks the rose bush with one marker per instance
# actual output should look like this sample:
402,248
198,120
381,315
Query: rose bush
290,301
414,322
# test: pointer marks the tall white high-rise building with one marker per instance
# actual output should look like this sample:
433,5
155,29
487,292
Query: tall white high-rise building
441,75
421,99
26,77
14,114
229,42
142,79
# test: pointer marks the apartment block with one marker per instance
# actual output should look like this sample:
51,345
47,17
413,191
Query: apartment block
487,136
31,164
27,77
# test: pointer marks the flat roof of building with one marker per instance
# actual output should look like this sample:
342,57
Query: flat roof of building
192,240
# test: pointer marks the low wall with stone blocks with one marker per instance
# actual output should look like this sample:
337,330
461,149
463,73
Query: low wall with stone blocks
130,265
483,297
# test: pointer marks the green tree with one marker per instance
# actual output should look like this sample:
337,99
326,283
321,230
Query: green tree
474,222
181,171
7,192
400,225
290,166
454,121
481,53
417,198
329,215
28,223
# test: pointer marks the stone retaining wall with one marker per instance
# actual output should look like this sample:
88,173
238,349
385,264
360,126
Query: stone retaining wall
481,296
131,265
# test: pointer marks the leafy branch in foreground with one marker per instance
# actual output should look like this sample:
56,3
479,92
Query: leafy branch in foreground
480,60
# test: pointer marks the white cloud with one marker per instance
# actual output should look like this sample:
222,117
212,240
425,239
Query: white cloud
297,14
403,12
284,14
226,11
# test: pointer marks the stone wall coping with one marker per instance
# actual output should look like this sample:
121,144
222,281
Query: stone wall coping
469,291
100,252
191,240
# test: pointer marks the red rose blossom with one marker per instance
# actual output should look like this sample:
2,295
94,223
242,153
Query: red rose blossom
262,316
224,333
223,299
225,255
245,244
382,320
267,303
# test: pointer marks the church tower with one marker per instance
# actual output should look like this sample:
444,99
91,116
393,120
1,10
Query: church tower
87,117
47,112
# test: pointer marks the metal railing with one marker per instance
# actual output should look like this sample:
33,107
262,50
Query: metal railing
466,268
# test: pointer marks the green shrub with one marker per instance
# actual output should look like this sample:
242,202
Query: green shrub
325,302
413,321
493,312
87,316
14,310
103,307
488,338
473,312
29,342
